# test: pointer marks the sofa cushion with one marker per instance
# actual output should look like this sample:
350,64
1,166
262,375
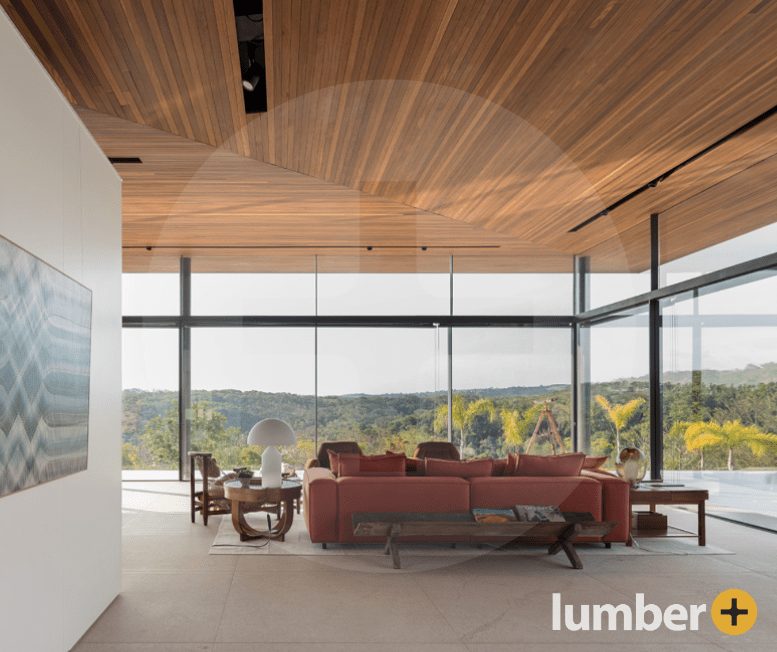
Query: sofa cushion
499,468
594,462
570,494
413,466
351,465
550,465
461,469
512,460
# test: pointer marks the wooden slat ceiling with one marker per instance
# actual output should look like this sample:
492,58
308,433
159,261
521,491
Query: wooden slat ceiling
522,118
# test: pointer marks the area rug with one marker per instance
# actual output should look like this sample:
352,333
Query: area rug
298,543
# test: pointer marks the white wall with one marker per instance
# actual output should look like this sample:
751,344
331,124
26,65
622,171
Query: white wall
60,543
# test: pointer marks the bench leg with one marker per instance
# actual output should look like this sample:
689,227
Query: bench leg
564,542
391,544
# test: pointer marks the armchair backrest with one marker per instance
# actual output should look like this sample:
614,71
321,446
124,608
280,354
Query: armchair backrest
440,450
337,447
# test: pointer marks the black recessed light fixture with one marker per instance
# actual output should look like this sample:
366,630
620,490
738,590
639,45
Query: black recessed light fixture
249,27
148,248
369,248
424,248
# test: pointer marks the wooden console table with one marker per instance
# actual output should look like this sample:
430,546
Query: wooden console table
393,525
669,496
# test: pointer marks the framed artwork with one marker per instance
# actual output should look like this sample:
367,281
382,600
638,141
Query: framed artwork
45,351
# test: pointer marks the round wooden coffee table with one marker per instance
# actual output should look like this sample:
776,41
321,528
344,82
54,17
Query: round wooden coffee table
283,496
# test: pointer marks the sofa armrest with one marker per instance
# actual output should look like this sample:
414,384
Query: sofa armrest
319,488
615,503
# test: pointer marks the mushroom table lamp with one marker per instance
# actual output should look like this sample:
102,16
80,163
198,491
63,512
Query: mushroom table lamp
271,433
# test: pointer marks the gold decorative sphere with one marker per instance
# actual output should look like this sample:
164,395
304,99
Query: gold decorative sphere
631,465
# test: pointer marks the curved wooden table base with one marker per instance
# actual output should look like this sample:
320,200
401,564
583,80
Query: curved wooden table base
283,497
247,533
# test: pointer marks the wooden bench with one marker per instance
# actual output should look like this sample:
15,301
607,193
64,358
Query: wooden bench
394,525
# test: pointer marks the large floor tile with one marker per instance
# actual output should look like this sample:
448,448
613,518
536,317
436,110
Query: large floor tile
346,607
517,607
591,647
174,607
340,647
172,553
143,647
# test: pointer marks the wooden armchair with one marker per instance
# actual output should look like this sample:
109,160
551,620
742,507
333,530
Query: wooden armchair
211,500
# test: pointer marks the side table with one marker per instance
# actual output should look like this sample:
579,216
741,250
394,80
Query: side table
281,498
669,496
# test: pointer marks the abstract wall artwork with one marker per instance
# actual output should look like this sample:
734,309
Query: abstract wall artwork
45,347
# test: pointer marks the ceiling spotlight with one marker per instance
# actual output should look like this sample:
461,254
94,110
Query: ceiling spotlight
252,77
369,248
423,248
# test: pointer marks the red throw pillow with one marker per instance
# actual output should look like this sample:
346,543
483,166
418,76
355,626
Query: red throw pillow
334,462
545,465
593,462
464,469
499,468
413,466
351,465
512,461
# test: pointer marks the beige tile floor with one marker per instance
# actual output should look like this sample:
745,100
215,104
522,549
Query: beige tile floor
177,598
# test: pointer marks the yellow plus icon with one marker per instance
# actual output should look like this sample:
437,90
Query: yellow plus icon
734,612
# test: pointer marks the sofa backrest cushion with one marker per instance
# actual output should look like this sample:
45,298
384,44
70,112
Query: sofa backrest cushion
460,469
512,460
351,465
550,465
594,462
337,447
499,468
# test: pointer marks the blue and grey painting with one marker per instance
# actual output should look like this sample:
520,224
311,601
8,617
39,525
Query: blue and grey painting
45,346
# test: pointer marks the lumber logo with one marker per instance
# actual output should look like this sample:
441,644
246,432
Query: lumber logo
733,612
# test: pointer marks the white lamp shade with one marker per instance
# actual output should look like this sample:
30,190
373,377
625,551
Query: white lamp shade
272,432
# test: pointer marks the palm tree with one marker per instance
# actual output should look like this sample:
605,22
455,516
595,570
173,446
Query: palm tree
731,434
619,415
516,426
463,414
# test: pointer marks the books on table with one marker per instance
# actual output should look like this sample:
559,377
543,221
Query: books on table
539,513
485,515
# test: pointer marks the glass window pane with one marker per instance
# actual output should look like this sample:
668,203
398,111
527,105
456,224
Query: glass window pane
381,387
513,285
150,398
720,392
254,294
619,266
615,395
497,374
384,285
150,294
512,294
243,375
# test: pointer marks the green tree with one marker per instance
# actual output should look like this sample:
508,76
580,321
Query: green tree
208,433
516,425
730,435
620,415
463,415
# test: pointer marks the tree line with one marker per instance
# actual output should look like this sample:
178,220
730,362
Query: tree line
705,426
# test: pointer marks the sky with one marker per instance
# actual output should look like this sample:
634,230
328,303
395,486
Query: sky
378,360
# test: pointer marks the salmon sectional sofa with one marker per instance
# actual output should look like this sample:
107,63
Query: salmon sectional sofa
330,502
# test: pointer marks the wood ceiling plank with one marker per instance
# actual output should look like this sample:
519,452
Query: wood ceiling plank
455,97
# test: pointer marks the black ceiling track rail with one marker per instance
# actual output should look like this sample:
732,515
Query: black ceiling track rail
124,159
666,175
